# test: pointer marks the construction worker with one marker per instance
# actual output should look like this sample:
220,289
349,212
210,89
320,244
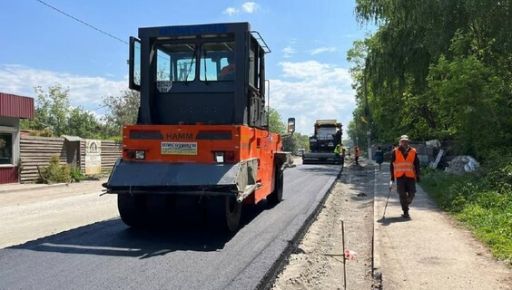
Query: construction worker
405,169
340,153
357,152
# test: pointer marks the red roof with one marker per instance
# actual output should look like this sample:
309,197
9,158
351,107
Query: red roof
16,106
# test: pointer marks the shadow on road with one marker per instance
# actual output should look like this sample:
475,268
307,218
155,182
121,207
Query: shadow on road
188,232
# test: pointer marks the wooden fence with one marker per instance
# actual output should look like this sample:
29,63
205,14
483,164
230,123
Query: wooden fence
37,151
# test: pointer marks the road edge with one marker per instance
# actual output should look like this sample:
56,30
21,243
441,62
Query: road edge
269,278
42,186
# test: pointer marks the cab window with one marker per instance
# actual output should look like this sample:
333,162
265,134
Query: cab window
217,61
174,63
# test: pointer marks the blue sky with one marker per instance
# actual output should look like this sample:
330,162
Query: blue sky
307,67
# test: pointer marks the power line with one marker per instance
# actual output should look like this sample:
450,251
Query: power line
83,22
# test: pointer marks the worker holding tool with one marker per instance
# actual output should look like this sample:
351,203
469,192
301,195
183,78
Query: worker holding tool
405,169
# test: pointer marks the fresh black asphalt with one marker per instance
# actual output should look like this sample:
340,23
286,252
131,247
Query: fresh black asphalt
192,255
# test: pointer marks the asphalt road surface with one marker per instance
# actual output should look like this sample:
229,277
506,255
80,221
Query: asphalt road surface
190,254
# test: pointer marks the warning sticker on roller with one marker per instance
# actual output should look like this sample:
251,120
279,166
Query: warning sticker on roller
179,148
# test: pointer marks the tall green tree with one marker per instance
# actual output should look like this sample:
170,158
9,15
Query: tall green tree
436,69
121,110
84,124
52,109
55,117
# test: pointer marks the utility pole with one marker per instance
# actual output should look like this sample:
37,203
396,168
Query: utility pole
367,111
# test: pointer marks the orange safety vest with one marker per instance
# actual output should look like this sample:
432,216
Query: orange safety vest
404,166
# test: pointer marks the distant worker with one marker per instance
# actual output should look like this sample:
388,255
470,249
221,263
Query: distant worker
405,169
227,73
340,153
379,156
357,152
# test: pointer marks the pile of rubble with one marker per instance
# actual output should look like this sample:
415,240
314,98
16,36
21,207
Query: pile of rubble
462,164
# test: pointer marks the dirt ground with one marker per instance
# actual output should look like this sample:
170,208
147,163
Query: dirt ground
429,251
318,261
32,214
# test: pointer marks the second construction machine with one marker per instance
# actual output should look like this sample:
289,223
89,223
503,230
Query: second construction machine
322,144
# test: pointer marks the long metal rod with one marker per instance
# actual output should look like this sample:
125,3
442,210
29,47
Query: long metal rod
344,258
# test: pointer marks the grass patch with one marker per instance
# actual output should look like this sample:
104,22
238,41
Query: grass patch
483,202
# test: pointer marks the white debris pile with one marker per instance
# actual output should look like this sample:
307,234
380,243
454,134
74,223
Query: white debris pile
433,143
462,164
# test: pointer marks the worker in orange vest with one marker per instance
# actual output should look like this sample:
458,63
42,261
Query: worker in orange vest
405,169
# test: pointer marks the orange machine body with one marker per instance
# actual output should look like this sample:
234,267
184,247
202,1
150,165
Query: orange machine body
200,143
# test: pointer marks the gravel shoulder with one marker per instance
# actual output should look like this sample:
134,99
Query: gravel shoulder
318,262
430,251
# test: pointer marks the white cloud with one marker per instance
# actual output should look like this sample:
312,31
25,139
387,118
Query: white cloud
231,11
311,90
250,7
288,51
85,91
247,7
323,50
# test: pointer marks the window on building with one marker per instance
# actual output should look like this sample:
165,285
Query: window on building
6,148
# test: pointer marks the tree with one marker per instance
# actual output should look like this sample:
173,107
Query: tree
435,69
293,143
121,110
276,125
55,117
84,124
52,108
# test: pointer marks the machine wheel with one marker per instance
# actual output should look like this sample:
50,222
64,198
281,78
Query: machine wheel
132,210
233,213
277,195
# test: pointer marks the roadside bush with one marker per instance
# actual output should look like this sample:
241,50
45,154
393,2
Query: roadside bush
55,173
75,174
483,202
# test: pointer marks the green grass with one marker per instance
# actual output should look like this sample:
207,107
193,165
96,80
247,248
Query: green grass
481,202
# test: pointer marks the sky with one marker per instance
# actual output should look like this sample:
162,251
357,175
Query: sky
307,68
